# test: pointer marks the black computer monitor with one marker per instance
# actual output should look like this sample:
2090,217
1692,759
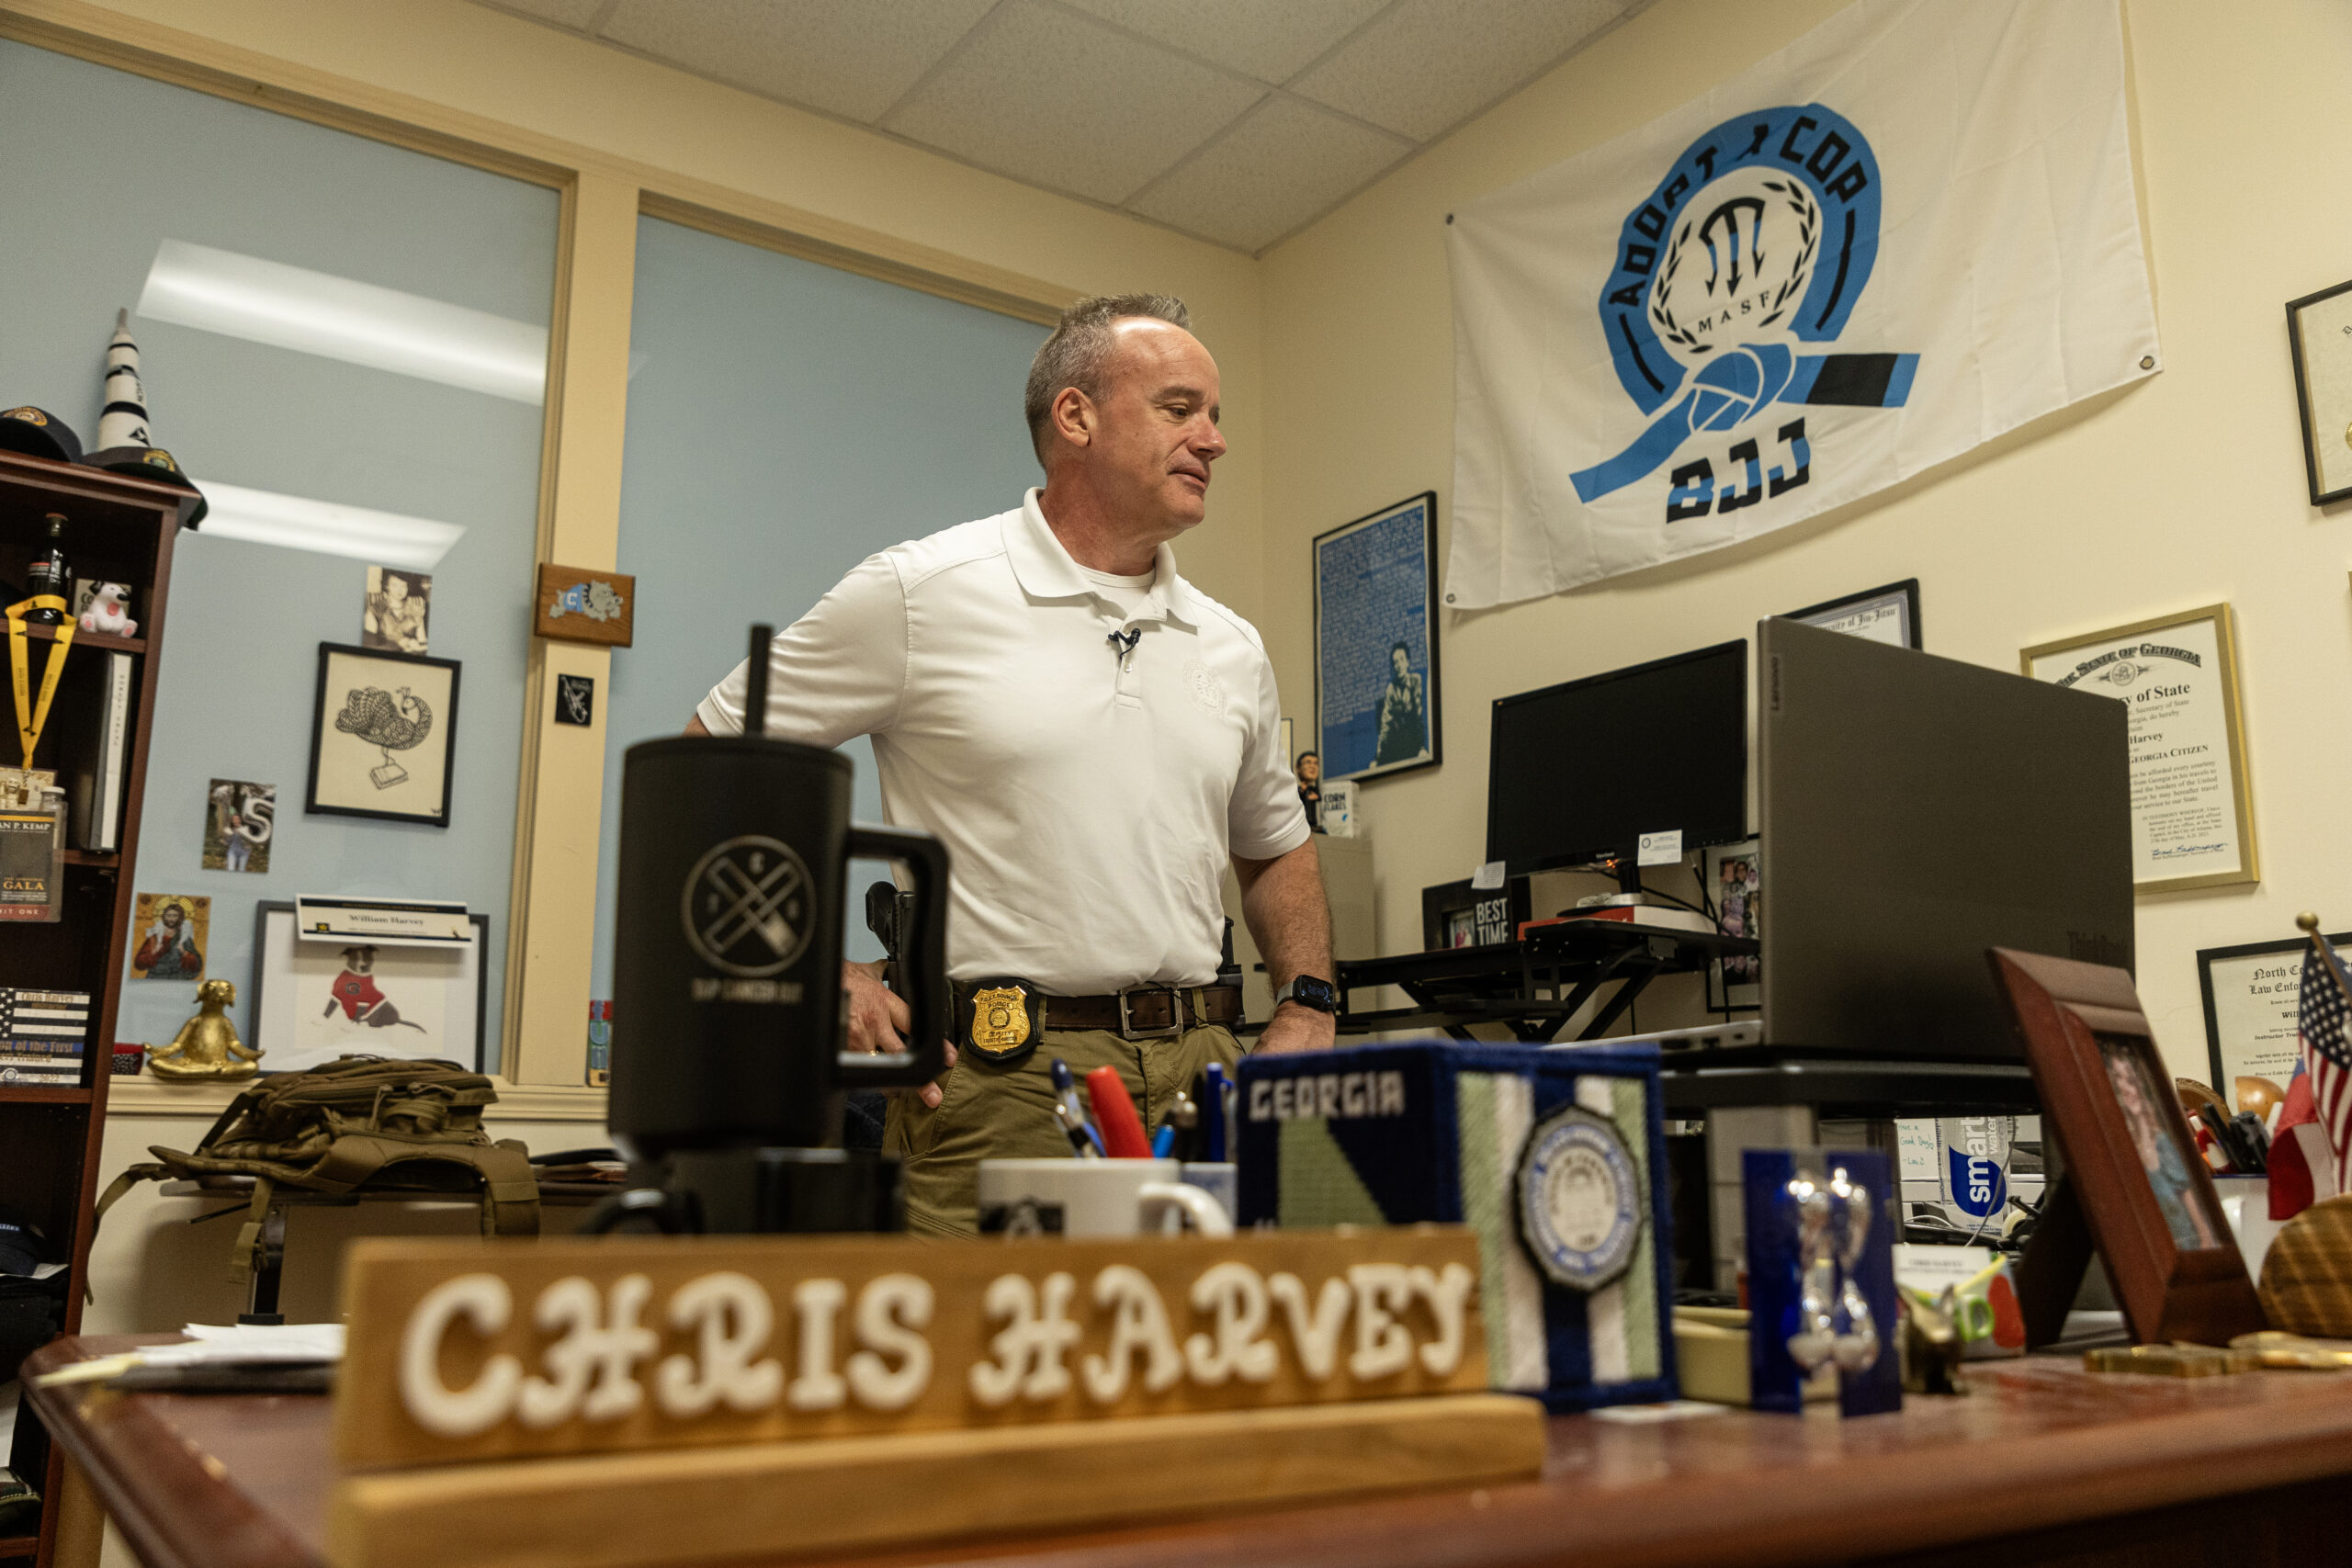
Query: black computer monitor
1580,771
1916,811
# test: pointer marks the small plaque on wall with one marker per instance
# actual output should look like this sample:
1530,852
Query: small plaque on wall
585,607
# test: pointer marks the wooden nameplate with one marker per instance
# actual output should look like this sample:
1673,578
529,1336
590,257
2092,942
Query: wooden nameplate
624,1510
574,1403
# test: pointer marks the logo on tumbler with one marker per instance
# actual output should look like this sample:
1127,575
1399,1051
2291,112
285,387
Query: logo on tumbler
745,905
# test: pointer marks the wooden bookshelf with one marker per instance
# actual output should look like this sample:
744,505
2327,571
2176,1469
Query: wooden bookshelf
118,530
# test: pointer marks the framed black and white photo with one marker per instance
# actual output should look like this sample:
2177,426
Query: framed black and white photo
2319,333
1735,878
315,1000
1376,643
2253,993
1888,614
382,735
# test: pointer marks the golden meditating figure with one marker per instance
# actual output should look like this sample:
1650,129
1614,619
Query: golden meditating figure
206,1045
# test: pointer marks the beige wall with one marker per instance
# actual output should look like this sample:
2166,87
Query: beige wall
2179,492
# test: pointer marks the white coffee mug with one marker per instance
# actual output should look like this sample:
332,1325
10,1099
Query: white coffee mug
1093,1198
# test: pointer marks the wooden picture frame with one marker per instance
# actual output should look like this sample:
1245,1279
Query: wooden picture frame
371,705
2133,664
577,605
2133,1186
1872,613
1375,595
2319,337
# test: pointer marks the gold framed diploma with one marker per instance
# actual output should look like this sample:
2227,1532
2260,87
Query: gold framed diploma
2192,811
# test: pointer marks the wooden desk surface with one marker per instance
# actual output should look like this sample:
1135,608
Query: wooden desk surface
2041,1450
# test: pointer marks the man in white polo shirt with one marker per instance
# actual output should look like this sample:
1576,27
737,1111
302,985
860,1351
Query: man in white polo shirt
1094,739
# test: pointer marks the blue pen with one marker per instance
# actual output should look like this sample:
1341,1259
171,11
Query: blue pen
1163,1140
1215,1112
1066,1086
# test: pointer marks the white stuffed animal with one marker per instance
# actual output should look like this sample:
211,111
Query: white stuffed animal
106,612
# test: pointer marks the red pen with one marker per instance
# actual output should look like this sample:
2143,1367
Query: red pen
1115,1116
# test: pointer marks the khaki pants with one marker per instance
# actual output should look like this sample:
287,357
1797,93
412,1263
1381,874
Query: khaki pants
987,1111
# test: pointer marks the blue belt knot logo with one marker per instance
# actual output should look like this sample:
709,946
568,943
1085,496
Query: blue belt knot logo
1753,248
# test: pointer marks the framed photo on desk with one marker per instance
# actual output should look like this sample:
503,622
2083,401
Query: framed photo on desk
1734,879
2135,1186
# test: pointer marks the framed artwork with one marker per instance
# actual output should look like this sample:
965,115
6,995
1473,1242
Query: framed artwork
2252,994
382,735
1376,643
1888,614
1735,878
2133,1184
2319,334
2192,809
170,932
313,1001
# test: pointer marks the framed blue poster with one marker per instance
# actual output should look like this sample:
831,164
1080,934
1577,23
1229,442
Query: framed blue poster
1376,643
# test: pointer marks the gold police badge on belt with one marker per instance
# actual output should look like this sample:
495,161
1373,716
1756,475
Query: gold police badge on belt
1004,1022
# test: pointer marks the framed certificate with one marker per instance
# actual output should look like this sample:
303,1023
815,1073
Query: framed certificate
2319,334
1888,614
1376,643
2252,996
2192,812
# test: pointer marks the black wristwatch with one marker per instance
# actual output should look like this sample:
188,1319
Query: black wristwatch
1308,991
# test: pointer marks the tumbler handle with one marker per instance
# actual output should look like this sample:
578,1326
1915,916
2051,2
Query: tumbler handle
923,963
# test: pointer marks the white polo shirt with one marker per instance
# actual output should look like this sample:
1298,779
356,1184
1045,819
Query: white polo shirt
1089,797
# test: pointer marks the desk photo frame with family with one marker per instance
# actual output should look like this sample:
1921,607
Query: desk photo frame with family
2135,1188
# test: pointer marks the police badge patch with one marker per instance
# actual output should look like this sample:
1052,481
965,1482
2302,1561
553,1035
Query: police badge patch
1001,1025
1580,1199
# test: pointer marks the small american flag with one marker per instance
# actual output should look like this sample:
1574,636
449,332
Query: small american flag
2322,1015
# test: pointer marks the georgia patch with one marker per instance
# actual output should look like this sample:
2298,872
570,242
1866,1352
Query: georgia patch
1580,1199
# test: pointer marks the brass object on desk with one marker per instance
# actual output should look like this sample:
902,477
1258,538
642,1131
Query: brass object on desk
2296,1350
206,1045
2176,1360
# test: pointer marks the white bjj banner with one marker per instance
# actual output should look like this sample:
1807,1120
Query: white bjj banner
1911,229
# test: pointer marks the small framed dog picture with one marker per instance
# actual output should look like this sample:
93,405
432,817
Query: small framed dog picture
317,998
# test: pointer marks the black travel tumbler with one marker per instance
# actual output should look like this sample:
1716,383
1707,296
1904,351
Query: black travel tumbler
728,1027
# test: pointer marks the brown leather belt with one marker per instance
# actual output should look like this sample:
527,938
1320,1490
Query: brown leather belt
1140,1012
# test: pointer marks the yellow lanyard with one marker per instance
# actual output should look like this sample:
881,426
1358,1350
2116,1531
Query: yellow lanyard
29,730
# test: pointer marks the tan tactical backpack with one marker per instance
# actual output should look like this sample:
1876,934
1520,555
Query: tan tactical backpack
359,1121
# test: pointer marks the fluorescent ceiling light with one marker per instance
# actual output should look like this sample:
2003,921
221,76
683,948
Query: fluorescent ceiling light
317,312
265,517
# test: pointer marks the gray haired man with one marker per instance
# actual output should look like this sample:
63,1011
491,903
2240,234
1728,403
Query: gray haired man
1093,738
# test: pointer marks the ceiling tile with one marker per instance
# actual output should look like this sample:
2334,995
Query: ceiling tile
1430,64
1284,164
563,12
1271,42
849,60
1050,96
